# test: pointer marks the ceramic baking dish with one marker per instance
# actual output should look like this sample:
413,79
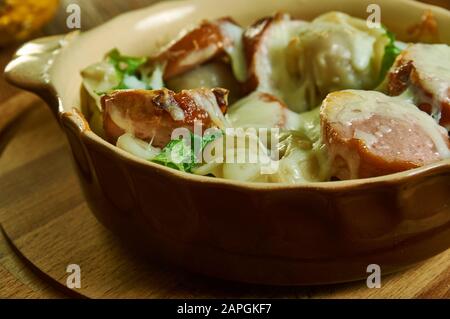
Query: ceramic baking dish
261,233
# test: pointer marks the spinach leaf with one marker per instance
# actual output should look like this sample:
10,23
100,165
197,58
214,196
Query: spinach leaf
125,64
127,68
206,139
178,154
391,52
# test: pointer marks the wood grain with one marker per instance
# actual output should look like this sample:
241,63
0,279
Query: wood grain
46,218
17,280
17,108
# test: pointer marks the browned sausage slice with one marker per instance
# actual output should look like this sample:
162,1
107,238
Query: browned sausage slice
259,39
153,115
204,43
424,68
371,134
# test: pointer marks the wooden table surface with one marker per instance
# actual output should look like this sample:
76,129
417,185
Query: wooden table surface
16,278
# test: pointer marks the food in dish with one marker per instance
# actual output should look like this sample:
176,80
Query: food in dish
302,62
371,134
425,70
152,115
205,42
329,99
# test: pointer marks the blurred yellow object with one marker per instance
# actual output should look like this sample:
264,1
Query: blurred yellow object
20,19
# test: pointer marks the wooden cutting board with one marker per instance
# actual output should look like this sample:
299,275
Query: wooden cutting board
47,223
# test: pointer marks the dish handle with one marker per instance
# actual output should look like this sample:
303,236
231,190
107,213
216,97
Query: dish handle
31,66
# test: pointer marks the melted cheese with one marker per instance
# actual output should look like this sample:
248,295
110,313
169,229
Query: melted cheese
98,78
303,165
271,62
306,157
302,62
259,110
235,49
332,54
347,106
207,101
432,62
176,112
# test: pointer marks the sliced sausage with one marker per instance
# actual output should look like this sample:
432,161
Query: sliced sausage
371,134
153,115
209,75
425,69
259,39
202,44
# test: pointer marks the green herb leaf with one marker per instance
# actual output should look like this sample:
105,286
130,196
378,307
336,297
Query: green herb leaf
210,138
127,68
391,52
125,64
178,154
